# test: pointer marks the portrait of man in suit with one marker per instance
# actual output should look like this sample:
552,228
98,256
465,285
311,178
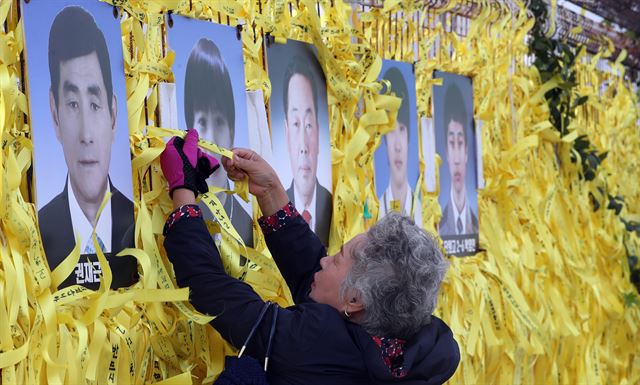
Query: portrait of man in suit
458,218
83,110
300,101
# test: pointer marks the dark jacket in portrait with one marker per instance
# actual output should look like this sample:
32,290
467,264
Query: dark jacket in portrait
324,211
240,219
56,230
448,225
313,343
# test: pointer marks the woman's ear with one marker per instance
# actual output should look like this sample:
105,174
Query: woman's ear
354,305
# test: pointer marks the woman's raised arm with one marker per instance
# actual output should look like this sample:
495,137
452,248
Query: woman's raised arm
295,248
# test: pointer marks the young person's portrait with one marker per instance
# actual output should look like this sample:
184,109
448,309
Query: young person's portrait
300,127
455,142
80,134
396,160
209,73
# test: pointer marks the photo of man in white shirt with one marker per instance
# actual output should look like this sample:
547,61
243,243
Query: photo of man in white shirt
83,113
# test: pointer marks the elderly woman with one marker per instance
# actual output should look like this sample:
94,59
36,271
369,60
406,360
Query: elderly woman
362,316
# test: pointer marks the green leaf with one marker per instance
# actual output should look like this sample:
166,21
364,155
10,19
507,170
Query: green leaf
593,161
541,45
589,175
366,214
580,101
580,143
594,202
615,204
631,299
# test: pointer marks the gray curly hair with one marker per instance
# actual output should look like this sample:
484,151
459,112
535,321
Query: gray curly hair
397,273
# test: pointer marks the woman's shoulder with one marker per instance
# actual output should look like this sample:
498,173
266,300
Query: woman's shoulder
437,335
316,317
317,322
316,329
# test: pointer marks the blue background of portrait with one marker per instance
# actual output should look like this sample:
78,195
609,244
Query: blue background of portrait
182,37
278,56
381,161
471,182
49,166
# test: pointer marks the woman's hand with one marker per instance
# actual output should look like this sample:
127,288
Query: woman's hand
247,163
263,180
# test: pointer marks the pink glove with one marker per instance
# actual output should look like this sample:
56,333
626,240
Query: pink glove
184,165
207,164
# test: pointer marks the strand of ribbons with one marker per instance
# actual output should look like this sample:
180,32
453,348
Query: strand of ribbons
542,301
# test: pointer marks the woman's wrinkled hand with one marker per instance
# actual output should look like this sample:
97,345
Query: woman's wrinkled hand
246,163
263,180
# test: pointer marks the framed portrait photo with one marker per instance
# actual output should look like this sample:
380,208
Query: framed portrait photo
300,131
456,145
397,161
78,102
211,97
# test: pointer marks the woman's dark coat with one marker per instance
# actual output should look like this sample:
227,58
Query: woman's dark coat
313,343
